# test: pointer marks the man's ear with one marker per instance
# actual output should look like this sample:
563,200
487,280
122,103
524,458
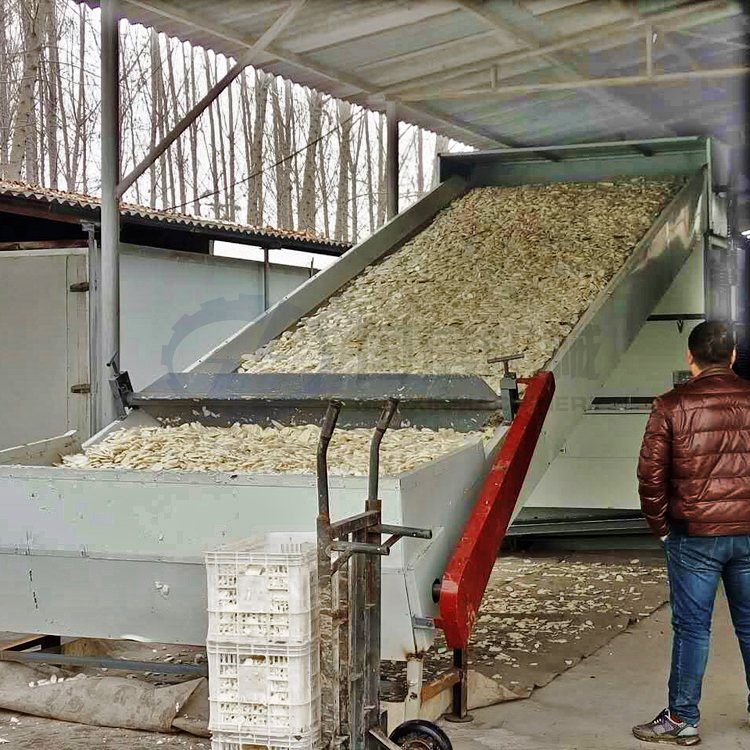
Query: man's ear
734,357
690,359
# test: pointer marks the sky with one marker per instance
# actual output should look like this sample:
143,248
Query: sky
281,257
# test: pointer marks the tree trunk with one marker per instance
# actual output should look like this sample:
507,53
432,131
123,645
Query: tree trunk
178,144
53,78
164,161
154,54
216,106
231,207
277,151
255,201
287,152
306,206
322,177
34,143
34,28
341,230
79,136
281,140
382,191
247,132
353,168
6,76
169,155
370,194
194,137
294,198
420,164
212,129
69,169
130,109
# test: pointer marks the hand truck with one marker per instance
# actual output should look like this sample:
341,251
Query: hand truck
350,592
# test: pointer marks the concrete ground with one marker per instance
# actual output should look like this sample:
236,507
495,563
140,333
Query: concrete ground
594,705
591,706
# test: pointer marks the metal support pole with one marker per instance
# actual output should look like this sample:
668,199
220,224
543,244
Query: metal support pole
392,157
649,50
371,567
109,294
414,679
329,713
95,362
94,661
460,703
266,279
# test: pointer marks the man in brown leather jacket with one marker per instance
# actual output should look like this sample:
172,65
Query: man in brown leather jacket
694,484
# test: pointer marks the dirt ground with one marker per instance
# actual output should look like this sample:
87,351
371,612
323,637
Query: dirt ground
30,732
542,614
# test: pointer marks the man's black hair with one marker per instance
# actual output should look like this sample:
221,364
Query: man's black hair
711,343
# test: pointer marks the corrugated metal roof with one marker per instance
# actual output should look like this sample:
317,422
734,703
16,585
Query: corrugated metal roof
370,50
232,229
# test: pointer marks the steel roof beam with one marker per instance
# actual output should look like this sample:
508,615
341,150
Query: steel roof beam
528,36
359,29
247,59
683,18
526,88
434,49
706,37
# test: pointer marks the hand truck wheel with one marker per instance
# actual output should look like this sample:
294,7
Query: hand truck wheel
419,734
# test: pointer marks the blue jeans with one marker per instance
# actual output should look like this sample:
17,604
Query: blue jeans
696,565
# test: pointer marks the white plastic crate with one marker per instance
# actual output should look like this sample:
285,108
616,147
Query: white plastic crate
263,590
262,627
224,741
263,693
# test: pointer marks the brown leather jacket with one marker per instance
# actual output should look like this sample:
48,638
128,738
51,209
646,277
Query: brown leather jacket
694,467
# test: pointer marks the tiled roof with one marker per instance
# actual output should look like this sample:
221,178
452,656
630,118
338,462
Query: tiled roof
90,203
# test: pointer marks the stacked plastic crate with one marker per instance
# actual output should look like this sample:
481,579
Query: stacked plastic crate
263,644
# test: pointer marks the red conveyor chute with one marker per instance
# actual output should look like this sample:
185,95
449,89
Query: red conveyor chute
469,569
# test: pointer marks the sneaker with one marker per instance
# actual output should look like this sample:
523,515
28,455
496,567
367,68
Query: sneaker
667,729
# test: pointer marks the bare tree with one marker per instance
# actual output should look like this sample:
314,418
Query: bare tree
231,207
36,13
154,56
63,119
255,198
307,198
341,230
381,174
214,162
178,145
354,168
282,153
247,128
6,76
222,151
160,113
193,131
322,178
370,194
52,81
420,164
300,162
